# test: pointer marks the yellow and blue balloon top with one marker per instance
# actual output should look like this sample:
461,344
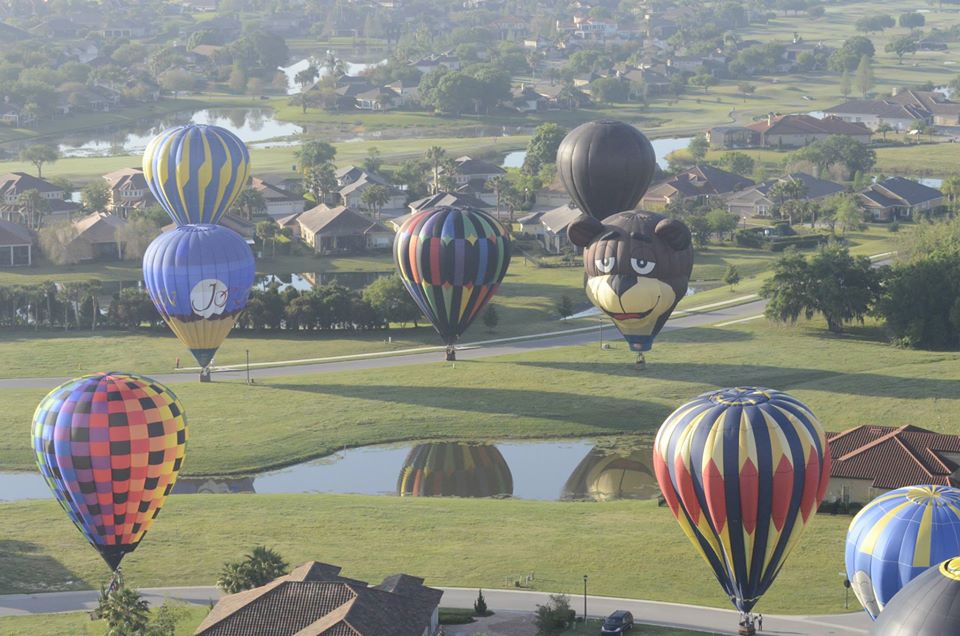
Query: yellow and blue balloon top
898,536
196,171
743,471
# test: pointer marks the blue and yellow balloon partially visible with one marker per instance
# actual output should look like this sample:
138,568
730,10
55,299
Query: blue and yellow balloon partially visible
896,537
196,171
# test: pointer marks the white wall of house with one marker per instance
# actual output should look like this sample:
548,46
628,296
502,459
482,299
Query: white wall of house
282,207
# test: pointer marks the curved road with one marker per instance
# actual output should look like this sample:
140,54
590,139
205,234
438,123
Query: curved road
720,621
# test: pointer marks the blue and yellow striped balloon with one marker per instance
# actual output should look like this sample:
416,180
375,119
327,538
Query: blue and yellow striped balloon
743,471
896,537
196,171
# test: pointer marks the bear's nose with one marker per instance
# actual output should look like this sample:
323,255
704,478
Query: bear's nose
620,284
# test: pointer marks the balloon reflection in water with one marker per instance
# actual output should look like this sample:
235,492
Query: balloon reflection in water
454,469
606,474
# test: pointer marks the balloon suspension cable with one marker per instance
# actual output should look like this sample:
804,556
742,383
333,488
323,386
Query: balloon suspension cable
116,581
641,363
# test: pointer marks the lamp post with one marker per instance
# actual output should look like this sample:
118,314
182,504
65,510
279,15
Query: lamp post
584,598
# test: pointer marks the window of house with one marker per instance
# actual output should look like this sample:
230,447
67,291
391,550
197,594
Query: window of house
20,255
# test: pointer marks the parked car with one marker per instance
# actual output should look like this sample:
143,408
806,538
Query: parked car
617,623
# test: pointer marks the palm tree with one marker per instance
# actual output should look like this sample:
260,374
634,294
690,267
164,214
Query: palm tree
124,610
435,156
374,198
497,184
304,77
91,293
883,129
258,568
335,66
32,207
250,202
951,190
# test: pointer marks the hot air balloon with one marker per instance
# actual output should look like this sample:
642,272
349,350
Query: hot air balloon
606,166
110,447
451,260
196,171
929,605
896,537
606,474
743,471
199,278
454,469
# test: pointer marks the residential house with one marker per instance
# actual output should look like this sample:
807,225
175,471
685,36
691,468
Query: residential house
452,199
731,137
124,31
128,191
942,111
898,198
592,28
316,599
341,229
758,200
471,177
874,112
509,27
697,183
246,229
14,184
378,98
406,92
290,221
555,223
16,245
280,202
867,461
529,225
353,181
432,63
98,238
800,130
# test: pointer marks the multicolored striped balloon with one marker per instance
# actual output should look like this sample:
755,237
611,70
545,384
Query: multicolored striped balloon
196,171
896,537
929,605
199,279
743,471
110,446
452,261
454,469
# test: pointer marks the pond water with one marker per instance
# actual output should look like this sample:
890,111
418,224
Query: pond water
353,68
253,125
661,147
307,281
544,470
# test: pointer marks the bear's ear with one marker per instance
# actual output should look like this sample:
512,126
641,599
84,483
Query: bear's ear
582,231
674,233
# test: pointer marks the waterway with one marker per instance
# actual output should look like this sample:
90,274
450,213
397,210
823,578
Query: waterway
661,147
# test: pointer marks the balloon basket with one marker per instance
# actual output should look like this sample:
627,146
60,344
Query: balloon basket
641,363
451,354
746,630
205,375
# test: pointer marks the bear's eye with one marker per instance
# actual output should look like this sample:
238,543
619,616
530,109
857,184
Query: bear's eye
641,266
606,265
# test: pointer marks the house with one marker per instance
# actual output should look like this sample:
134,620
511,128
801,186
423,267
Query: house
378,98
470,170
353,181
731,137
555,223
315,599
942,111
870,460
98,238
800,130
451,199
874,112
898,198
16,245
246,229
14,184
341,229
758,200
280,202
529,225
290,221
128,191
699,183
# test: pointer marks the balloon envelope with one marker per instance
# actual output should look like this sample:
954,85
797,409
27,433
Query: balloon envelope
929,605
743,471
110,447
199,279
606,167
452,261
196,171
896,537
454,469
606,474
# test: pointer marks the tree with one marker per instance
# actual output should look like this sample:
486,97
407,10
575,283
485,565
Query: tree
499,185
871,23
920,309
912,20
722,222
732,276
863,80
178,80
238,80
698,148
314,153
491,318
38,154
901,46
373,160
745,89
32,208
250,202
389,298
542,148
837,149
435,156
125,611
374,198
883,129
411,173
833,283
306,77
951,190
95,196
258,568
846,84
847,57
555,616
703,80
321,181
136,235
267,231
738,163
788,189
56,241
609,90
846,213
565,306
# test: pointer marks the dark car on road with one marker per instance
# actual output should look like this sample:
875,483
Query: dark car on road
617,623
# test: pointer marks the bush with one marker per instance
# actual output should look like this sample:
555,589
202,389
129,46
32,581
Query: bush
748,238
800,242
480,605
893,227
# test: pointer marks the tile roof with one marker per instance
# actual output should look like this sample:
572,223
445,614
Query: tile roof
910,191
557,219
468,166
704,180
895,457
99,227
453,199
341,218
20,182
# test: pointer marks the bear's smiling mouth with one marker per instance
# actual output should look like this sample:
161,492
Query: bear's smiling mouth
634,315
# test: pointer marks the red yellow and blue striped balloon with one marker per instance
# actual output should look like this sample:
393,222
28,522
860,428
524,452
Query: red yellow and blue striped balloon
743,471
454,469
896,537
196,171
452,261
110,447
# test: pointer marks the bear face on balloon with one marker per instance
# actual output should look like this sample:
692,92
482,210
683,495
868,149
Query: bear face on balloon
636,264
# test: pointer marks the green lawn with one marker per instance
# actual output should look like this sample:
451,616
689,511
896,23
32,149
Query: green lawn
79,623
847,380
449,542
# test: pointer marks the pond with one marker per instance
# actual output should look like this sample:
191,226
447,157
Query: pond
307,281
575,469
353,68
661,147
253,125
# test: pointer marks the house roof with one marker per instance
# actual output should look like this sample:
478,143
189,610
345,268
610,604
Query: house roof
99,227
807,125
290,219
14,234
451,199
365,179
530,219
126,176
816,188
341,219
704,180
314,599
557,219
894,457
20,182
469,166
878,107
912,192
272,192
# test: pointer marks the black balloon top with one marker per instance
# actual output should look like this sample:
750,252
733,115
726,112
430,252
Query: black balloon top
606,167
929,605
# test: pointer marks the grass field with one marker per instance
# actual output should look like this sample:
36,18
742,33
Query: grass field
79,624
461,542
847,380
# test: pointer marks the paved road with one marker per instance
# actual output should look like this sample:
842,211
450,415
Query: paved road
670,614
468,352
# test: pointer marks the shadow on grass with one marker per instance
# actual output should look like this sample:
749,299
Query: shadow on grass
595,411
707,334
26,570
